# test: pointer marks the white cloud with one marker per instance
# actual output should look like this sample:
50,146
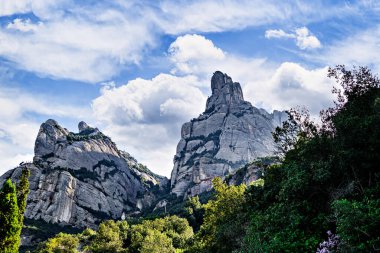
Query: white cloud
179,17
196,55
23,25
304,39
360,49
215,16
101,39
269,34
144,117
10,7
291,85
153,101
188,52
90,43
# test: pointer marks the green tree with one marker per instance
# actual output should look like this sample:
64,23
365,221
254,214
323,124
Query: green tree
336,162
194,212
10,226
156,242
358,224
12,208
22,193
176,229
61,243
108,238
224,221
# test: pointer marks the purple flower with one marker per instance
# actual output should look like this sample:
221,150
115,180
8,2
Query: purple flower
331,245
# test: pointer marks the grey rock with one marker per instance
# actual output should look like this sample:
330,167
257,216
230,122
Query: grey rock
251,172
83,126
82,178
230,133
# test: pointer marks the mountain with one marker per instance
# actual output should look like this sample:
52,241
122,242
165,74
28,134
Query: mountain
79,179
226,136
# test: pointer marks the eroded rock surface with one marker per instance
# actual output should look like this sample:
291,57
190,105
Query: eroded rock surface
229,134
82,178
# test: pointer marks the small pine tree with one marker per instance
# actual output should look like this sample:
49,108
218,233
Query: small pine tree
10,226
22,193
12,208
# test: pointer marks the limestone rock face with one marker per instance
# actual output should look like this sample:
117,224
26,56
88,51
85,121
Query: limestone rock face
82,178
229,134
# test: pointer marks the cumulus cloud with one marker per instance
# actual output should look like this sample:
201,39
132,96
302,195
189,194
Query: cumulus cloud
291,85
188,51
196,55
145,116
304,39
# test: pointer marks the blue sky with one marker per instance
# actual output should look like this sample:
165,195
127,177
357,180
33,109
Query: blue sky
139,69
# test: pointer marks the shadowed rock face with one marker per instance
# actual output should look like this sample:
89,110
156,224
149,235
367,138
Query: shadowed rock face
81,178
230,133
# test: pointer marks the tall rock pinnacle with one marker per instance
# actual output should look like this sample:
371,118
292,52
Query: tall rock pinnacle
230,133
225,93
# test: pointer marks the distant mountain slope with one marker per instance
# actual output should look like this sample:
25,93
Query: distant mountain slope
229,134
82,178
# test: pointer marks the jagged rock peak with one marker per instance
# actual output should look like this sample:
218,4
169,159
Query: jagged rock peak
50,132
227,135
81,178
225,92
83,126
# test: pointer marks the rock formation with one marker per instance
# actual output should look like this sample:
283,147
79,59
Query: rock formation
229,134
81,178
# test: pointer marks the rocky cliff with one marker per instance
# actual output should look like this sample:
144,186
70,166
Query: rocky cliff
229,134
82,178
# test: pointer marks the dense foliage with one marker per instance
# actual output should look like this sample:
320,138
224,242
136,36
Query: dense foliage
162,235
329,177
12,208
224,218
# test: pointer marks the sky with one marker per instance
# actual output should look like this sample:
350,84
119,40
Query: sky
138,70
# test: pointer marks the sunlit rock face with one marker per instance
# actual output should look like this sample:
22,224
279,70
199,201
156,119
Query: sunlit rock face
230,133
82,178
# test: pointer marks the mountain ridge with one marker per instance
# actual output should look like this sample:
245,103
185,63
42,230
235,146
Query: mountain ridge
82,178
